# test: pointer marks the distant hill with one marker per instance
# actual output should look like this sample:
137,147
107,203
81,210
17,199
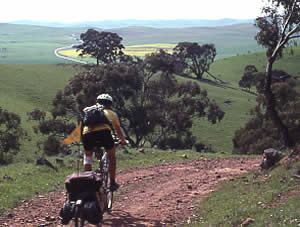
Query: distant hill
229,40
36,44
107,24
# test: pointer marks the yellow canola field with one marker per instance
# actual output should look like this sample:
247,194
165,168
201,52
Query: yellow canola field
142,50
134,50
70,53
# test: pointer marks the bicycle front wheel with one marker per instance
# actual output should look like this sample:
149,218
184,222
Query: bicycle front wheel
110,197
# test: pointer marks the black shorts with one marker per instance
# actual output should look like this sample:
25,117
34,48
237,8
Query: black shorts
101,138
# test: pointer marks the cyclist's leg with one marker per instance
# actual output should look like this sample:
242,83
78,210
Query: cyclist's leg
110,149
112,164
88,145
112,170
87,160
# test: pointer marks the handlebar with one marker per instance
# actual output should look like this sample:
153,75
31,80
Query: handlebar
117,140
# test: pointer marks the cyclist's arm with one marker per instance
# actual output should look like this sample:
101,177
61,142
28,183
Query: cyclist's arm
120,134
116,125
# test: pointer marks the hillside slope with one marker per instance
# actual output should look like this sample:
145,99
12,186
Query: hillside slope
25,87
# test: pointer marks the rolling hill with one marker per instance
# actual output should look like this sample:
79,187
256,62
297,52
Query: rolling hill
28,44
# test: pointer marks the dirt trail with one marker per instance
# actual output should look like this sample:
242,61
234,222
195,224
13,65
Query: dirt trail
156,196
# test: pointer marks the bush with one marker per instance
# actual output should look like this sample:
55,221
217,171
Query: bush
199,147
55,129
202,148
52,146
177,143
11,134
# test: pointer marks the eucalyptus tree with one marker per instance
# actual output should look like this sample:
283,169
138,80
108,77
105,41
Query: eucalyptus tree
260,132
104,46
279,26
150,102
197,59
248,79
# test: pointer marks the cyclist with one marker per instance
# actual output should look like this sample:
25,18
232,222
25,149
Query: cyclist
101,135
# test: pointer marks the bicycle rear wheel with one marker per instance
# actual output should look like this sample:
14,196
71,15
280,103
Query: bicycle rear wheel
78,222
76,217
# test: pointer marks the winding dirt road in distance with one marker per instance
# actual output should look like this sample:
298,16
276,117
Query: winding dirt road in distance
56,52
161,195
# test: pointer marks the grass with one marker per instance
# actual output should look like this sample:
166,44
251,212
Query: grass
27,180
26,87
34,85
268,199
33,44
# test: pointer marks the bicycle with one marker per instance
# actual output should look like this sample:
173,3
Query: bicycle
80,200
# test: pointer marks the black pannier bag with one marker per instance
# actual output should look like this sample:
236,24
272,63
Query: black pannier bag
82,186
91,212
66,213
86,182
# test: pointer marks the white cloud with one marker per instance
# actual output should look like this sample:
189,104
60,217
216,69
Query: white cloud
88,10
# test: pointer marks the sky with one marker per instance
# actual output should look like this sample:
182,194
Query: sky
99,10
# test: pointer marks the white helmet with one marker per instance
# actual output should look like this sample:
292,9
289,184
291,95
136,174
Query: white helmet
105,97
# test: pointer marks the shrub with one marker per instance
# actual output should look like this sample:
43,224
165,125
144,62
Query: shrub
199,147
11,134
185,142
52,146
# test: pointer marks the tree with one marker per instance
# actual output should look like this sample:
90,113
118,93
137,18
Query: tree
104,46
196,58
11,134
260,132
174,104
248,78
279,25
150,102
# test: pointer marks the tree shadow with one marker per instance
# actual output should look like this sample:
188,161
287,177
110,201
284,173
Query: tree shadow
122,218
217,83
250,92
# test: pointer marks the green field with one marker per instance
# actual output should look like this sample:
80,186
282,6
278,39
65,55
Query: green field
33,44
269,199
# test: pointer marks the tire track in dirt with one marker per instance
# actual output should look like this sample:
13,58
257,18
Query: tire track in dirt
156,196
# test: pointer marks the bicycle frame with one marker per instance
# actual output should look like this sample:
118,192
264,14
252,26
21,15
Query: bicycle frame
102,170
